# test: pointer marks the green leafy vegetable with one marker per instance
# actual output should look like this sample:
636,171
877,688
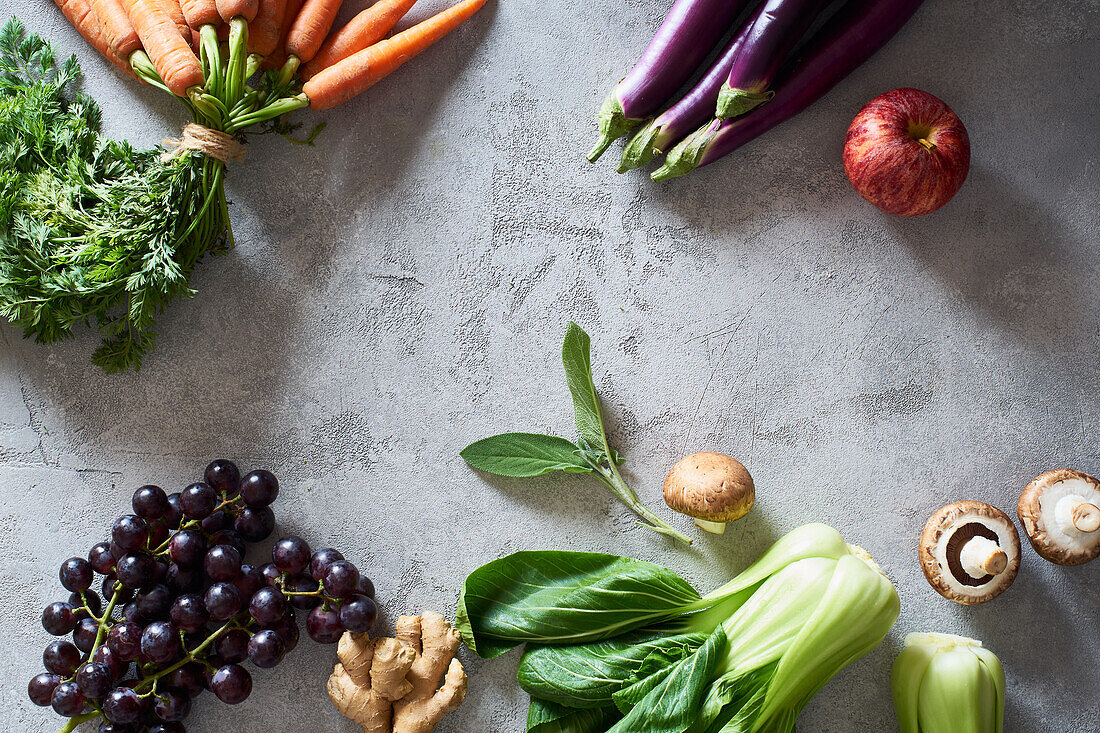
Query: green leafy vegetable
521,455
745,658
549,717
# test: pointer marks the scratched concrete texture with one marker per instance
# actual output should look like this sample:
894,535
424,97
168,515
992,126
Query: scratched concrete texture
402,287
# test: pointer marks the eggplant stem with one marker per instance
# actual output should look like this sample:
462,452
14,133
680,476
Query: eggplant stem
640,150
613,124
736,102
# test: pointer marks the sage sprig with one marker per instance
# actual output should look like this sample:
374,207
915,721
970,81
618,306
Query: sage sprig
523,455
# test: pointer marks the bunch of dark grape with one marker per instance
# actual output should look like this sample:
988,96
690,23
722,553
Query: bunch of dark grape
184,610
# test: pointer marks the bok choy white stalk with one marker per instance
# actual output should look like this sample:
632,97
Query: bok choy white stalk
617,645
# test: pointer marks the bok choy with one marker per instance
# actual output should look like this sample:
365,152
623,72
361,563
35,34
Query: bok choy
617,645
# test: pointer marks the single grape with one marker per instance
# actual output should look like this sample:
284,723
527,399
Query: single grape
94,679
61,657
250,581
358,614
158,533
116,550
182,580
160,570
187,547
107,726
291,554
130,532
122,705
154,601
255,524
103,655
41,687
341,580
323,626
189,678
217,521
228,537
58,618
131,612
267,606
222,563
101,559
188,613
168,727
232,646
232,684
223,601
160,642
124,639
174,515
302,584
150,502
89,600
319,563
136,569
76,574
68,700
198,500
365,587
111,586
259,488
266,649
172,705
270,573
85,633
288,631
224,476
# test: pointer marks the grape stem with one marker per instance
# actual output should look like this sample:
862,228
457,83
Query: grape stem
191,523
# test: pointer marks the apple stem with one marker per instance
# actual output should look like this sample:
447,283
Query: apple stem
928,144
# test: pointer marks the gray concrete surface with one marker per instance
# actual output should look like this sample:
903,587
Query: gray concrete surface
402,289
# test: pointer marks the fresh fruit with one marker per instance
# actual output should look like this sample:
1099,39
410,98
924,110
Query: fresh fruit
906,152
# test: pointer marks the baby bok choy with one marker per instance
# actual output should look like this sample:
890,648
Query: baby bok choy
948,684
621,645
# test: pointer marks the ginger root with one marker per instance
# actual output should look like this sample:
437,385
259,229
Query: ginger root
401,685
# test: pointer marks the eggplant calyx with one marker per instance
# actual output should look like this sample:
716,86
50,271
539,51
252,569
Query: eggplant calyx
640,150
613,124
688,154
735,102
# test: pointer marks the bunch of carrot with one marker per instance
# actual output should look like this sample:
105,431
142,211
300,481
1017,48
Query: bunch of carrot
177,45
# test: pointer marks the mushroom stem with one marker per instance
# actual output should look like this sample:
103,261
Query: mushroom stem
981,556
712,527
1086,517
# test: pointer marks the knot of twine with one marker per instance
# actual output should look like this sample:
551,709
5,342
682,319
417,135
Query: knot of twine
214,144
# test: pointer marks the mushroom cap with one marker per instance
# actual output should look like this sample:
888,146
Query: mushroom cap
941,544
710,486
1036,507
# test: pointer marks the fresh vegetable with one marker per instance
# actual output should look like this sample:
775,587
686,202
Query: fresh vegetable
776,28
969,552
948,684
79,13
853,35
402,685
524,455
615,644
175,62
710,487
230,9
694,108
265,30
183,608
365,29
688,34
1060,513
357,73
310,27
906,152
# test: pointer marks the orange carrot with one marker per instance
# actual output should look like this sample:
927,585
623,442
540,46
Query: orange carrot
176,63
277,58
230,9
117,29
365,29
309,29
81,16
265,32
200,12
345,79
172,8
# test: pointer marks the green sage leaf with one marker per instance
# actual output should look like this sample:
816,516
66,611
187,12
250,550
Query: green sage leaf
521,455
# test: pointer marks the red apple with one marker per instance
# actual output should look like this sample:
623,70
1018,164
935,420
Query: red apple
906,152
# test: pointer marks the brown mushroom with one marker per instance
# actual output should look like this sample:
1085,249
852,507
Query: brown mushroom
711,487
969,552
1060,513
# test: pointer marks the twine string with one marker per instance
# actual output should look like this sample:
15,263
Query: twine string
212,143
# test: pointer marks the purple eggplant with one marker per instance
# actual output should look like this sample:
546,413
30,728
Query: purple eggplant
684,117
850,37
778,26
688,34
